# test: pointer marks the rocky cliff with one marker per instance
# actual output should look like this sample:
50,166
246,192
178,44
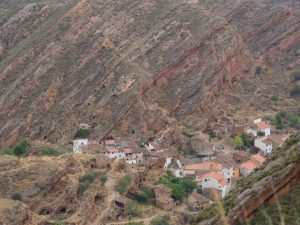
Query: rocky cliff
279,175
139,67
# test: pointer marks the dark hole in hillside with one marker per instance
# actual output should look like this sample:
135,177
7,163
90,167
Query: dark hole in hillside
45,137
61,210
45,211
133,132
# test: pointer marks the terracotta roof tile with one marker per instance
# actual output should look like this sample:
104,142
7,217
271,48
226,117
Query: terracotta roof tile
217,176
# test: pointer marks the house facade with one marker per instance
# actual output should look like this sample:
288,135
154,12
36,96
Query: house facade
264,144
259,126
79,143
215,180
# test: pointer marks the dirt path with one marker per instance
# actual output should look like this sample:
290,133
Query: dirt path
111,196
146,220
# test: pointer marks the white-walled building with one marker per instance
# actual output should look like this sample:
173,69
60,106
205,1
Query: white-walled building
78,143
264,144
259,126
215,180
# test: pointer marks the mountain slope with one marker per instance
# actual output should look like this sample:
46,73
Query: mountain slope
139,67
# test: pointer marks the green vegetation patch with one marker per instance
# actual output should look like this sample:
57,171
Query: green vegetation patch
122,184
274,98
82,133
180,186
50,151
85,181
284,119
16,196
163,220
20,149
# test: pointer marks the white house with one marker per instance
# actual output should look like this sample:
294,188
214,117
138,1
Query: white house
113,153
259,126
215,180
78,143
168,161
264,144
176,168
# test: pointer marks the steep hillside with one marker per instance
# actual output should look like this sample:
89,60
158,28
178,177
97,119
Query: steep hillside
139,67
265,196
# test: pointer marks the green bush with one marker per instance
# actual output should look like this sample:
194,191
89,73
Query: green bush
86,180
274,98
180,186
103,178
164,220
7,151
89,176
82,133
59,222
295,91
20,148
133,208
261,133
16,196
50,151
122,184
83,186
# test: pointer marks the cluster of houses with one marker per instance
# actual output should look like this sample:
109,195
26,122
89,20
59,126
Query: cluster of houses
213,172
264,140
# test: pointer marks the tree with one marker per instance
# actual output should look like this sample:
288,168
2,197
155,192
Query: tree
103,178
82,133
261,133
238,142
16,196
20,148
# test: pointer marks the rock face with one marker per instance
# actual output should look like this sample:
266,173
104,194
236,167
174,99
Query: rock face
136,66
50,190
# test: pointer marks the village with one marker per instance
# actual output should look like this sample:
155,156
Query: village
213,171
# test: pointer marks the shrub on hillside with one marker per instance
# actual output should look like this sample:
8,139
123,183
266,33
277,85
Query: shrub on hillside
103,178
16,196
86,180
274,98
295,91
83,186
89,176
180,186
82,133
50,151
122,184
20,148
164,220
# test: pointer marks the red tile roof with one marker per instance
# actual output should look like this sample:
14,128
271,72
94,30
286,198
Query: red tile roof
204,166
217,176
250,165
258,158
262,125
